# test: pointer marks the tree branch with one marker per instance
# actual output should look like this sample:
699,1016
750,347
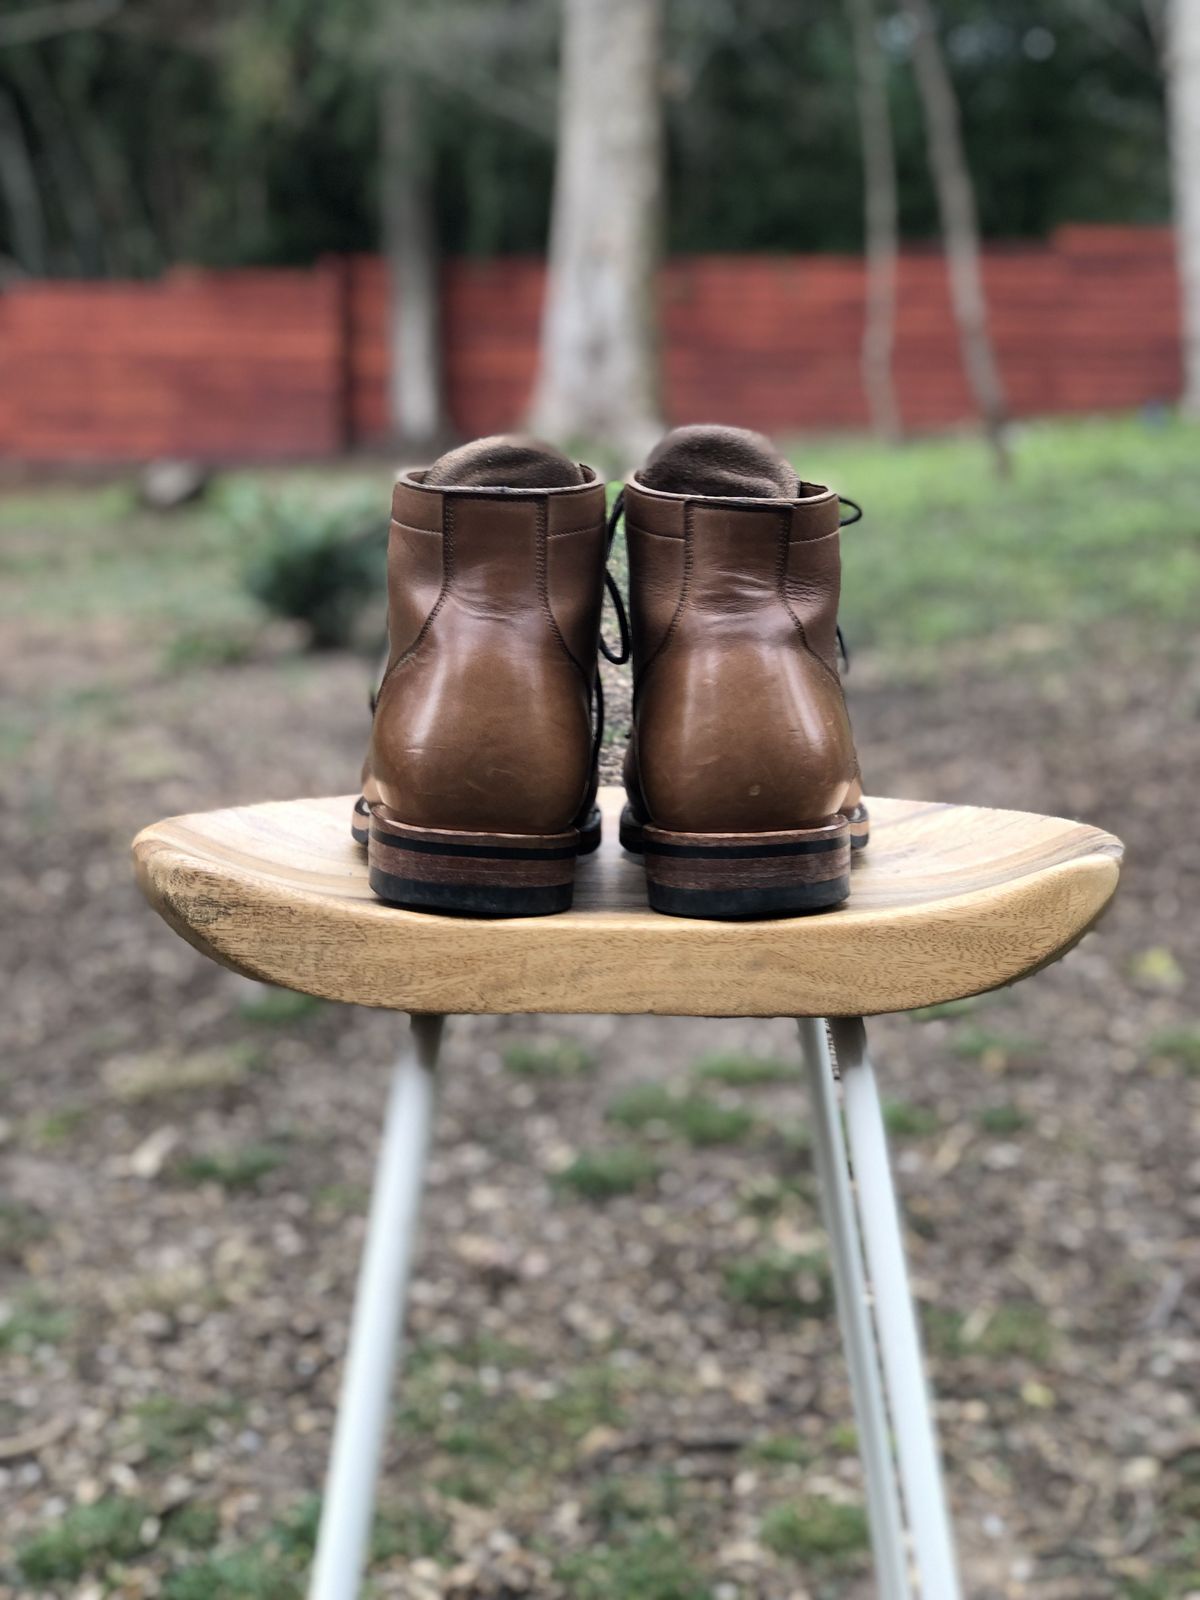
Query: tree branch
45,22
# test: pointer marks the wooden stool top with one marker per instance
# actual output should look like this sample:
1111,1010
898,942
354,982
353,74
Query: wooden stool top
947,901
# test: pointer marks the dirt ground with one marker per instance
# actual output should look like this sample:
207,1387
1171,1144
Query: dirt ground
624,1372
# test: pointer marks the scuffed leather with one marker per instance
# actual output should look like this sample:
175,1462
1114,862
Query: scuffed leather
740,724
483,721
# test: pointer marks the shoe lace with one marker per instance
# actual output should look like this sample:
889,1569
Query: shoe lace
620,655
847,522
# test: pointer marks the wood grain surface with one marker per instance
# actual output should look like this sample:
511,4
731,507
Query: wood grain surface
946,901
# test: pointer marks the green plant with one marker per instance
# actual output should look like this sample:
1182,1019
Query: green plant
603,1174
242,1168
642,1104
1020,1329
904,1120
944,1009
561,1058
1180,1046
169,1429
697,1118
743,1072
1003,1120
818,1530
782,1449
218,645
31,1320
277,1008
195,1526
778,1281
85,1540
315,561
651,1566
253,1574
984,1044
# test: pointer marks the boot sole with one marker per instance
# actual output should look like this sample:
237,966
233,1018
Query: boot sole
471,874
728,876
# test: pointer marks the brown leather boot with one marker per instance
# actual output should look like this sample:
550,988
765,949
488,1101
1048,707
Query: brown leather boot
479,787
743,784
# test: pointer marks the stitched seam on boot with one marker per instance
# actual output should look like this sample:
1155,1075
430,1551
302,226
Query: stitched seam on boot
543,586
785,545
681,603
447,576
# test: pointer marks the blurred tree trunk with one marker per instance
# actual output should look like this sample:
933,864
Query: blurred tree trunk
598,370
19,186
415,387
960,224
881,209
1183,90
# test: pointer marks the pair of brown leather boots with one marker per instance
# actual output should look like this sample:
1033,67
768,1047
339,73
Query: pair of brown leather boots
479,788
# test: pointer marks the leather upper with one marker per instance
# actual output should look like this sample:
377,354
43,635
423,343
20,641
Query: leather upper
740,724
483,722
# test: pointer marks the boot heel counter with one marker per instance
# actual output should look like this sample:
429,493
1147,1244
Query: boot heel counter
767,746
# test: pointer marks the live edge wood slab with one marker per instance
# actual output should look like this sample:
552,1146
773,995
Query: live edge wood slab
946,901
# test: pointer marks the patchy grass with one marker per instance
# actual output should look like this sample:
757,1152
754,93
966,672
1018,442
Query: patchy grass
903,1120
20,1226
799,1285
1179,1046
623,1499
744,1072
1019,1329
227,644
195,1526
783,1450
169,1429
1112,492
561,1058
57,1127
488,1438
765,1196
605,1173
650,1566
275,1566
947,1010
280,1008
818,1531
698,1118
343,1199
992,1049
244,1167
1004,1120
85,1540
32,1319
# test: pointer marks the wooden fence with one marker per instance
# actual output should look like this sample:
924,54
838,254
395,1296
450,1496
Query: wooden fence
267,364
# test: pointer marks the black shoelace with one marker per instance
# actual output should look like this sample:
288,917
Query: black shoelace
620,655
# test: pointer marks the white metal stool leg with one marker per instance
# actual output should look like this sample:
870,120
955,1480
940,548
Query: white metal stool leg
895,1318
854,1316
348,1508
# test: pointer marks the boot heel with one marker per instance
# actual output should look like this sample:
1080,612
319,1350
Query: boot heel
730,875
474,874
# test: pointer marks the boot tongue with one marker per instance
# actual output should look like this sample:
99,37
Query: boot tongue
504,461
714,460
